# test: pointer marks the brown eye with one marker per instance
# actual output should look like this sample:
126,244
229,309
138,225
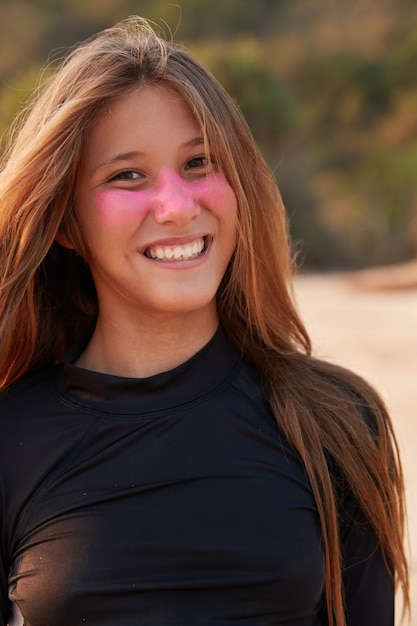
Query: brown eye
197,162
127,175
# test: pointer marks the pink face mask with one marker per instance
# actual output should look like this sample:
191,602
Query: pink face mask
172,195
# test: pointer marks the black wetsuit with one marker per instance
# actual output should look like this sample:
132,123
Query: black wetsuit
171,500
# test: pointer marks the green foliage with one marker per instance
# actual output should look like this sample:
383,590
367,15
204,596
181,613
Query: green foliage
329,91
269,105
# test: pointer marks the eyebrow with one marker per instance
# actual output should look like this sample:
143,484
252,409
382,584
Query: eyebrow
128,156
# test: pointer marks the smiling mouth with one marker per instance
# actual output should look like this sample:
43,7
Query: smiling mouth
179,252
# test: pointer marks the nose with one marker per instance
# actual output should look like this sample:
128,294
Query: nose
174,200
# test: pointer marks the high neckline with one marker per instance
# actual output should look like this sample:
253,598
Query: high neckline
200,375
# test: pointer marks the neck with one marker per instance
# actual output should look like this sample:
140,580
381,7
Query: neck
147,347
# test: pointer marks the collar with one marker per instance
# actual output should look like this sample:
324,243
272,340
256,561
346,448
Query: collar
202,374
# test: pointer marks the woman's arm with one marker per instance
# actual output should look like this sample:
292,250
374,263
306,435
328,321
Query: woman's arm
368,585
4,596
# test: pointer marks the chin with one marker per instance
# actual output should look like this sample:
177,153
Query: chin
188,304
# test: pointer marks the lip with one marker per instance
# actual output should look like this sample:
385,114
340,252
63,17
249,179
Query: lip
176,241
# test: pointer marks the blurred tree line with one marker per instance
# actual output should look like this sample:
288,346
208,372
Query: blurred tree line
329,90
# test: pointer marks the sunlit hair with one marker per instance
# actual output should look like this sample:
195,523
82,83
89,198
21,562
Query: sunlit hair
48,300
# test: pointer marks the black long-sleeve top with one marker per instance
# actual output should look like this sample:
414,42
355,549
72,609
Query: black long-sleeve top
167,501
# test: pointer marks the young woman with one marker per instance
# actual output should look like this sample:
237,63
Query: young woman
171,451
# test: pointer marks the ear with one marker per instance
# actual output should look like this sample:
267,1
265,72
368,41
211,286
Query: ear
64,241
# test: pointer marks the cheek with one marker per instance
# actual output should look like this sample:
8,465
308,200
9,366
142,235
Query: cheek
216,194
116,206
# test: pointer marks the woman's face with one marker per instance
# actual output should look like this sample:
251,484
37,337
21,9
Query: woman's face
158,219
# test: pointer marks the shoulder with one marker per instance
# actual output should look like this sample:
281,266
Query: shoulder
22,395
26,409
37,431
347,395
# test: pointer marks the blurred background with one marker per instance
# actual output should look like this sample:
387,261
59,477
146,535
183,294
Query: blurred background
329,88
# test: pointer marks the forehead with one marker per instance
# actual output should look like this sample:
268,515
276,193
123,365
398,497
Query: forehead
149,106
147,119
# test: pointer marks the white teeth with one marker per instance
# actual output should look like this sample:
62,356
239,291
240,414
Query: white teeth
177,253
188,250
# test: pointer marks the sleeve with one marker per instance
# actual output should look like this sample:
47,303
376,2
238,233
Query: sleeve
368,585
4,573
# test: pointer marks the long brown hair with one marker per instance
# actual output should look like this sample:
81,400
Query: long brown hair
48,299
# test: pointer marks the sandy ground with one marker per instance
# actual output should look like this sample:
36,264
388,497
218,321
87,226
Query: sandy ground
363,323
